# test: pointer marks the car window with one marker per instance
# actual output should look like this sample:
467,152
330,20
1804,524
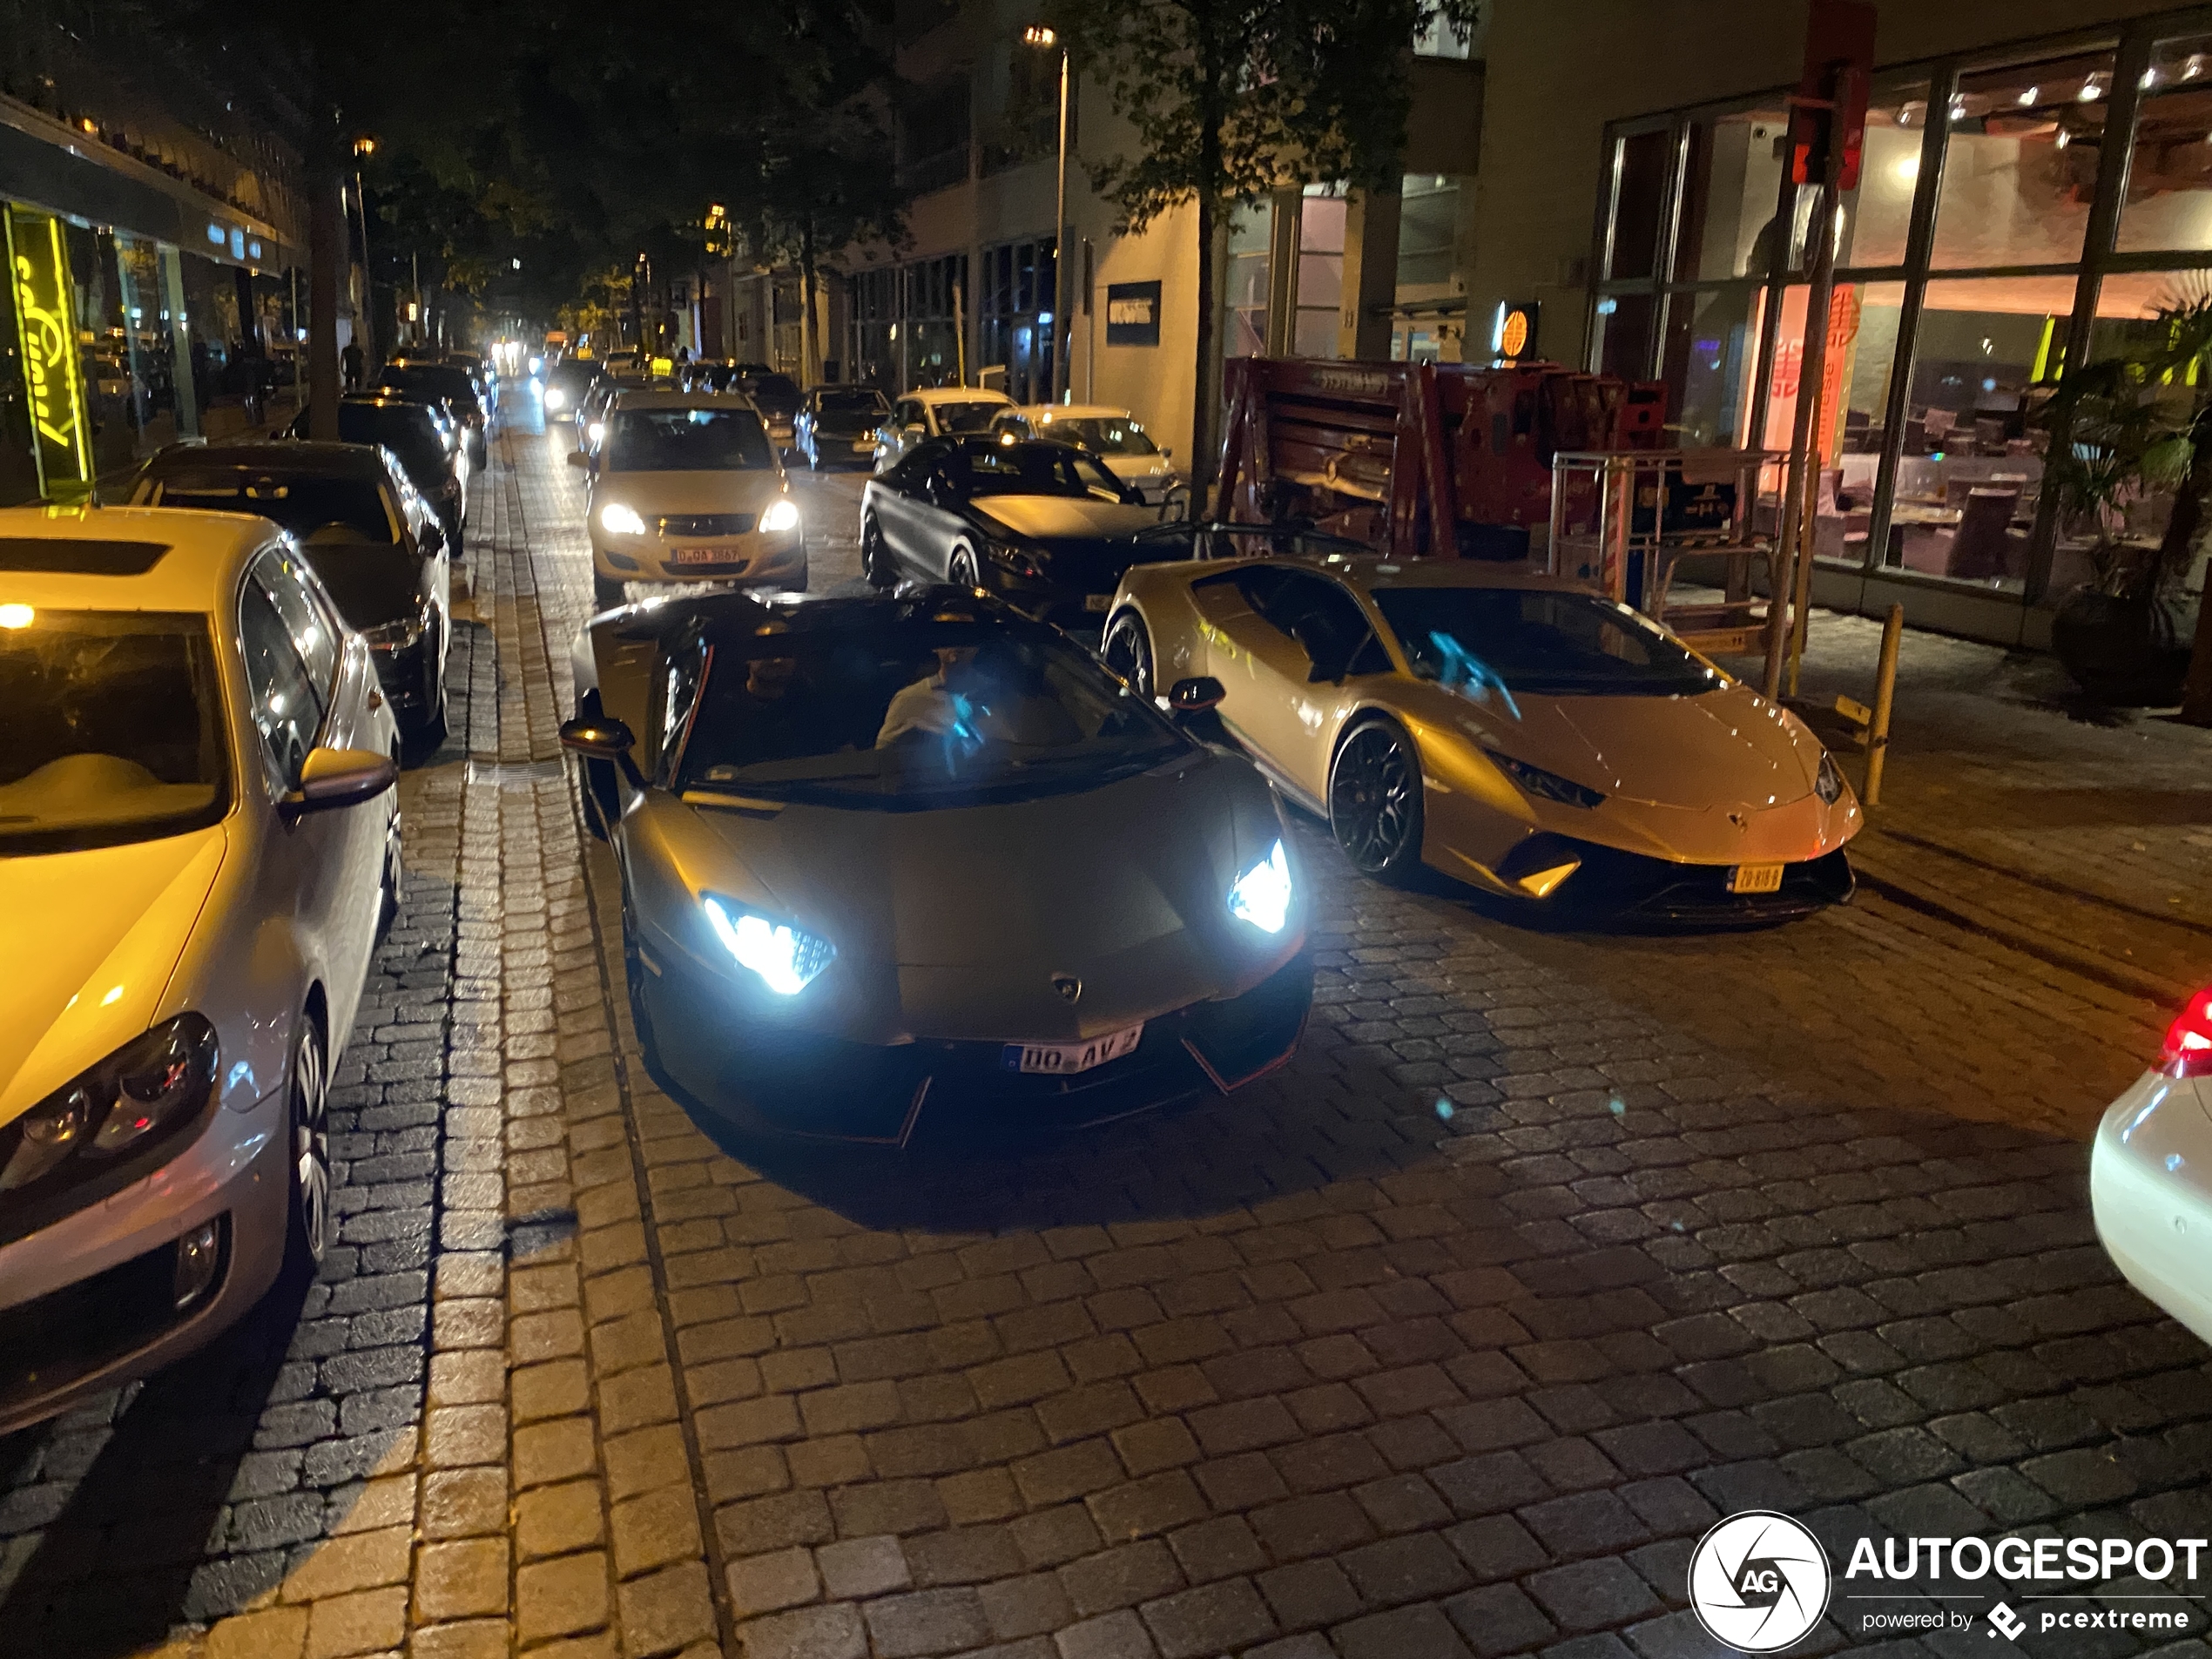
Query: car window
1536,641
1037,469
909,413
687,440
678,693
1312,609
965,417
303,504
848,402
115,730
1103,435
284,707
306,613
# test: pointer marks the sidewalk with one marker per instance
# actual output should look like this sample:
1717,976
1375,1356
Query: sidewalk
2010,805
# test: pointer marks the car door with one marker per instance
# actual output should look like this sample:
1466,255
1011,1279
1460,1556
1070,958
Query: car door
907,427
1273,628
342,894
894,499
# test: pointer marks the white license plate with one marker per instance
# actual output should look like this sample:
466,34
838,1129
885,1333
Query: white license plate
1755,878
1098,601
703,556
1065,1059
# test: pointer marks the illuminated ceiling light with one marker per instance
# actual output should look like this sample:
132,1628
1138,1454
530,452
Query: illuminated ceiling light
2090,91
2063,139
2031,95
16,616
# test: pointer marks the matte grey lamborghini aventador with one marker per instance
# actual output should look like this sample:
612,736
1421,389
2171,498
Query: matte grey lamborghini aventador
915,864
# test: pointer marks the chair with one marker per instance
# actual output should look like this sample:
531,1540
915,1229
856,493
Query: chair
1980,549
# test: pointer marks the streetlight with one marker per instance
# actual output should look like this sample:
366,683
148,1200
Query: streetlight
363,148
1043,38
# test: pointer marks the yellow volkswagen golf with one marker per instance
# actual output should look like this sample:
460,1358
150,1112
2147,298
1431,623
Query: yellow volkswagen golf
198,847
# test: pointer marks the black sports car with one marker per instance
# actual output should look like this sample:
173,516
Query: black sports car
1042,525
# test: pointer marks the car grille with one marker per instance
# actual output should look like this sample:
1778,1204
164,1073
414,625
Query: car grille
706,524
48,1344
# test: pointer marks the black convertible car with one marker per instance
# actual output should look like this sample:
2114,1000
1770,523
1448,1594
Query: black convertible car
1044,526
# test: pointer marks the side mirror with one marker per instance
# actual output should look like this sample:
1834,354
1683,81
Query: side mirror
1195,696
334,778
577,458
431,543
599,739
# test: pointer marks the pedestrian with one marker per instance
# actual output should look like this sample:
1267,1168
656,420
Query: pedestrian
354,365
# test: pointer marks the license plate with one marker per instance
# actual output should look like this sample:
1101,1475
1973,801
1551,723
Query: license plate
1097,601
1065,1059
1755,878
703,556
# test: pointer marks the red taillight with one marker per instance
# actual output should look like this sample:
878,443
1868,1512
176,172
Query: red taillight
2188,1039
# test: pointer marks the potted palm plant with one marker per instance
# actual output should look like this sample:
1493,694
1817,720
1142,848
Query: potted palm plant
2127,429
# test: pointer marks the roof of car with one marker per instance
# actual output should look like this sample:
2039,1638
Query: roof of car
328,460
1047,413
960,394
1369,571
106,558
643,397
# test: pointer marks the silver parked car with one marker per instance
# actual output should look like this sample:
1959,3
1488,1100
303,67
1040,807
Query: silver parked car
198,847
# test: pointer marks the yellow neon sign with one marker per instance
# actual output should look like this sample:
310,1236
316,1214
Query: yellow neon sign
53,377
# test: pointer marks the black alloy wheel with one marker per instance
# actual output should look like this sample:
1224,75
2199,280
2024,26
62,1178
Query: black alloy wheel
962,572
875,557
1127,652
1375,800
310,1148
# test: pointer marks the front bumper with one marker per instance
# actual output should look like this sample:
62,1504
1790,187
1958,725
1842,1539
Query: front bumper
87,1302
2150,1191
753,559
1634,888
406,676
821,1088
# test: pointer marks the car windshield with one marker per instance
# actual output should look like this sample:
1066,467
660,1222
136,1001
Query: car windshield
830,405
301,504
1102,434
916,712
779,389
1037,469
114,728
687,440
1539,643
570,376
966,417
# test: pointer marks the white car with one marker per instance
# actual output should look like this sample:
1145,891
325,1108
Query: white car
2150,1174
198,849
1115,436
939,412
687,487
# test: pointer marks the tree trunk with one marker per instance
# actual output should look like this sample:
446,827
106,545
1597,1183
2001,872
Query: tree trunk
326,252
810,342
2181,536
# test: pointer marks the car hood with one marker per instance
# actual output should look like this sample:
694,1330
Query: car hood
965,914
1136,466
1729,747
1065,518
103,930
689,492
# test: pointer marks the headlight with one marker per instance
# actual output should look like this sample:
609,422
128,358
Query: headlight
596,431
1262,895
396,635
130,1101
1550,785
616,519
556,398
1021,560
782,515
786,958
1829,783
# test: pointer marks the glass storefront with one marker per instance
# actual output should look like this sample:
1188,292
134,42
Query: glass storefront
2014,215
1015,317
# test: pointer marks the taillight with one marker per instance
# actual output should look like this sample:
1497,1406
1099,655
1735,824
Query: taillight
2188,1039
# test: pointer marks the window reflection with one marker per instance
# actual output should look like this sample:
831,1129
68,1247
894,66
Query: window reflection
2169,169
2020,169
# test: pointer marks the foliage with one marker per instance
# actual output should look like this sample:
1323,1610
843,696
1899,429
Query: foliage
2133,425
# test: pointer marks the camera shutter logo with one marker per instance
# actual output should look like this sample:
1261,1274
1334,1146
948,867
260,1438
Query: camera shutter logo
1759,1581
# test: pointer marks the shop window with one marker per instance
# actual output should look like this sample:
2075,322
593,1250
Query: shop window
2019,169
1971,462
1320,272
1245,284
1624,329
1861,359
1641,164
1878,215
1733,174
2169,169
1428,225
1710,358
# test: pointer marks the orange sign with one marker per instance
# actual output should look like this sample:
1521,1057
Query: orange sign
1515,337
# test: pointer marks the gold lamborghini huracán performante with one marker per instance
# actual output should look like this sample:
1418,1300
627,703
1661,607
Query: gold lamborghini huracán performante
1538,741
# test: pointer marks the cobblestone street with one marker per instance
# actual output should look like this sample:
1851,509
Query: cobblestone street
1449,1338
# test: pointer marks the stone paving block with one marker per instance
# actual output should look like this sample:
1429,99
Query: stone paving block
560,1596
833,1632
666,1610
1408,1633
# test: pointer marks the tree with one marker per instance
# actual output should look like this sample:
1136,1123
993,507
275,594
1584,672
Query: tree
1231,99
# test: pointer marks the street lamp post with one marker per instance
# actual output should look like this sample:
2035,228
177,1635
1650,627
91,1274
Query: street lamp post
1038,35
363,148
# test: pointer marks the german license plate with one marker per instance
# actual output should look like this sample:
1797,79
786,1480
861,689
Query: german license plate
1097,601
703,556
1755,878
1065,1059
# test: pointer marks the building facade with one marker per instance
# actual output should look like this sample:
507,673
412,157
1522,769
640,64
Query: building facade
151,249
979,293
2037,178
